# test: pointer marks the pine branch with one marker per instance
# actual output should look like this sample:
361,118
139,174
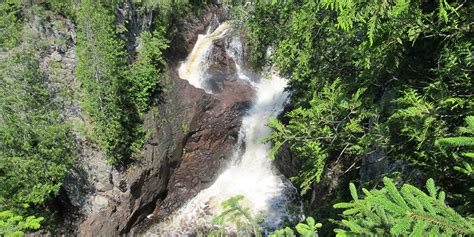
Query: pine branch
410,211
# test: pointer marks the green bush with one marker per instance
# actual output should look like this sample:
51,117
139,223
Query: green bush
145,73
12,225
332,126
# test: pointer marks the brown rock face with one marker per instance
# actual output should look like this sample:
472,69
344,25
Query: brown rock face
214,125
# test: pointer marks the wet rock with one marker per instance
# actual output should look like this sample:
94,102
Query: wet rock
214,127
220,61
286,162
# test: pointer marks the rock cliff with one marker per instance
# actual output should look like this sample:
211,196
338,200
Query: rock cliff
191,135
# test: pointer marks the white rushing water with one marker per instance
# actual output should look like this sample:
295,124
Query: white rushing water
250,172
194,69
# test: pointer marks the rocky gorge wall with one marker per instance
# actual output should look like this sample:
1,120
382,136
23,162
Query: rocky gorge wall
191,134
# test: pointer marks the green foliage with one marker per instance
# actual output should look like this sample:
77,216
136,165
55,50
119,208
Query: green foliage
415,121
248,225
405,212
412,59
117,96
234,213
98,69
463,156
13,225
464,141
142,83
66,8
145,73
37,146
333,125
163,4
10,25
308,229
37,142
285,232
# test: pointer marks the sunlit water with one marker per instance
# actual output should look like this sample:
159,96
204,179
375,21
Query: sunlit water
194,69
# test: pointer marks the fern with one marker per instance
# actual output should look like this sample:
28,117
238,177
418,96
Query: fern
461,140
408,211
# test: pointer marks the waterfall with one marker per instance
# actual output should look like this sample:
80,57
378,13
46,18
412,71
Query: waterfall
196,64
250,172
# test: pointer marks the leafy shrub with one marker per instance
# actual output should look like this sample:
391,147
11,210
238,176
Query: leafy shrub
333,126
12,225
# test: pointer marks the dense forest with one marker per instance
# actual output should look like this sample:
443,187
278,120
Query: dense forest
372,82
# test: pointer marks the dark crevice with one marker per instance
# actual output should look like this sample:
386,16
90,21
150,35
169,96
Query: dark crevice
139,215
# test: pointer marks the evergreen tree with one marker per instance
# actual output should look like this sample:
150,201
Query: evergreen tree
36,143
37,146
463,156
145,73
100,57
405,212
